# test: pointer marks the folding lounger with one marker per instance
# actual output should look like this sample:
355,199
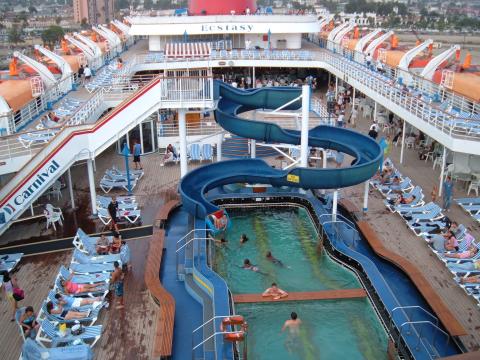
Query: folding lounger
429,212
102,292
108,184
91,268
404,185
207,152
88,320
468,201
84,278
82,258
104,201
418,201
414,210
137,173
424,228
130,215
194,153
85,243
8,262
118,177
49,334
32,350
38,137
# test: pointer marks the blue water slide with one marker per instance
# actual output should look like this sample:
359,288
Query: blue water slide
366,152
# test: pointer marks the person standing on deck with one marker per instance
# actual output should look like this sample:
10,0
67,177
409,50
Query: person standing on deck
447,193
80,74
112,211
116,280
137,151
87,73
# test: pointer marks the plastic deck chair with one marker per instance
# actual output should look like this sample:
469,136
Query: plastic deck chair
49,334
18,315
91,268
194,153
88,320
101,292
85,243
35,138
32,350
104,201
82,258
108,184
8,262
207,152
53,215
97,278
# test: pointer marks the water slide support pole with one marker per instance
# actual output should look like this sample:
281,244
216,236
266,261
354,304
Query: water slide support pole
70,188
442,171
403,142
91,184
304,133
219,147
182,129
375,113
253,148
353,98
365,196
254,81
336,87
334,205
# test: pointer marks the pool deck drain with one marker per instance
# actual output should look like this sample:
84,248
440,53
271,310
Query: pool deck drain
303,296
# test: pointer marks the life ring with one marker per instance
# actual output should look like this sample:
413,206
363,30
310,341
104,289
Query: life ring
232,321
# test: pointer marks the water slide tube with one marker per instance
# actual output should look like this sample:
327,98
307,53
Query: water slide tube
232,101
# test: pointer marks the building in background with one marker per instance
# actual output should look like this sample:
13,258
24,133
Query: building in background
94,11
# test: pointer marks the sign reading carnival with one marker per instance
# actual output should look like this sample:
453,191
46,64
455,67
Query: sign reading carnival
32,188
243,28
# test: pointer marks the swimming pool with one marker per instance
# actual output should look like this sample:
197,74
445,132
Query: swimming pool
331,329
292,238
341,329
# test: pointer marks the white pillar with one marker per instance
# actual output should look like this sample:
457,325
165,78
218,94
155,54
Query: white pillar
334,205
254,81
31,209
219,146
304,133
365,196
324,164
353,98
403,142
70,188
336,86
91,184
442,171
253,148
182,131
375,112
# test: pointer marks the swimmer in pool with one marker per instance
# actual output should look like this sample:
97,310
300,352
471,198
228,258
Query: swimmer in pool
275,292
243,239
273,259
222,242
293,325
247,265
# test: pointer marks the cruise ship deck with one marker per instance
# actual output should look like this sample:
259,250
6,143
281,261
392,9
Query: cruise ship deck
357,267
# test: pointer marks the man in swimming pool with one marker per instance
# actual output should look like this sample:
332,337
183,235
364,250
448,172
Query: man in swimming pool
243,239
293,324
275,292
247,265
273,259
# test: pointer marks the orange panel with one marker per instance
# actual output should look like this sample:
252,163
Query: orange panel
394,57
17,93
467,84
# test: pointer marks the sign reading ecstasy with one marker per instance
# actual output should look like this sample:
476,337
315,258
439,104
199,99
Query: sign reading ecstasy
241,28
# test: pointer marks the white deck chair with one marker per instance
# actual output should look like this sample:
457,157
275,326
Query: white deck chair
207,152
56,190
38,137
85,243
194,153
53,215
108,184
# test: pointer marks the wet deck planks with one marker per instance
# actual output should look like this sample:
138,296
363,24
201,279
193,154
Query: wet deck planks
448,320
304,296
166,316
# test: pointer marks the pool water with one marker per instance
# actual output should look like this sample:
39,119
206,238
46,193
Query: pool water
341,329
292,238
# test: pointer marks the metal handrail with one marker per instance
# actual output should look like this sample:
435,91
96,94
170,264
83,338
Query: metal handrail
215,334
190,241
419,335
415,307
193,230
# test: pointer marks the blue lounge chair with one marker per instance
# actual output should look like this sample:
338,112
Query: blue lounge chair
85,243
39,137
82,258
404,185
8,262
49,334
425,228
130,215
207,152
429,212
88,320
194,153
18,315
468,201
104,201
107,184
32,350
91,268
412,210
101,292
114,171
84,278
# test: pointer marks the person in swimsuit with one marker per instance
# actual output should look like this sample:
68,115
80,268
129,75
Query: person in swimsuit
28,323
293,326
273,259
8,284
65,314
71,287
243,239
102,245
275,292
220,224
69,302
117,279
247,265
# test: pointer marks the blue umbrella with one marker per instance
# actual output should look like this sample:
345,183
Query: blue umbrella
269,35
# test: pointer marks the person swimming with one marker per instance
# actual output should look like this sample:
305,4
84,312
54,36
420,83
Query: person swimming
243,239
293,326
275,292
247,265
273,259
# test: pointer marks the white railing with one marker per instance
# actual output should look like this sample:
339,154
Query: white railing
199,129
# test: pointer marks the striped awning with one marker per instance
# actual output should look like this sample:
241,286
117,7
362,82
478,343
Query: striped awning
187,50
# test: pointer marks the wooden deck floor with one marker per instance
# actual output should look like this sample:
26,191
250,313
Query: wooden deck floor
127,333
303,296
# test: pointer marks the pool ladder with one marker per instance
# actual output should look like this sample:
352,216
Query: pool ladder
184,253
